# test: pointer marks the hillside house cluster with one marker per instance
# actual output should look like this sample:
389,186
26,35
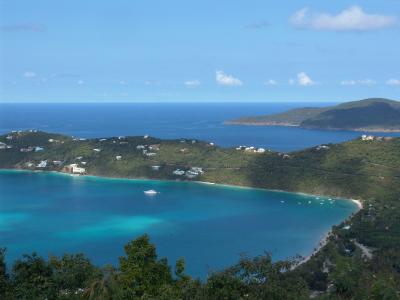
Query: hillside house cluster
5,146
149,150
251,149
365,137
191,173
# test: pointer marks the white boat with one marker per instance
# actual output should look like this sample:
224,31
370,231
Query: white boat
151,192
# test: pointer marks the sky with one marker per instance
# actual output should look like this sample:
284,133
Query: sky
199,51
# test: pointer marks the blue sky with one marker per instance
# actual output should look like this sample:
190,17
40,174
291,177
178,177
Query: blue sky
198,51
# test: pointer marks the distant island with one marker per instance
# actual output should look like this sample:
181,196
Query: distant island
375,115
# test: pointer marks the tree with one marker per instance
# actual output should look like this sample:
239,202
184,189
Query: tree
3,274
141,273
73,272
32,278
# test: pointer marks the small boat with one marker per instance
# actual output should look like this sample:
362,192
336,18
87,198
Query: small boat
151,192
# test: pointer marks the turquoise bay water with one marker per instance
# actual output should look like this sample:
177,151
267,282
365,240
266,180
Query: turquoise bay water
208,225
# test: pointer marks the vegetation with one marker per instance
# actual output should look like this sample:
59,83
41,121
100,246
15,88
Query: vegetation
369,114
360,261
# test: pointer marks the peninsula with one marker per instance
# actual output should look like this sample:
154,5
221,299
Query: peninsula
362,250
375,115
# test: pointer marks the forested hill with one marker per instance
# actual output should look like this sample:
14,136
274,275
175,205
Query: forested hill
374,114
361,258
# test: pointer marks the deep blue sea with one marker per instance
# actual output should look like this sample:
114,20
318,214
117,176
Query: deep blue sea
208,225
170,121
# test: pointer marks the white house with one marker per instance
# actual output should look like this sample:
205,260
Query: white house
118,157
75,169
37,149
260,150
96,150
42,164
365,137
155,168
178,172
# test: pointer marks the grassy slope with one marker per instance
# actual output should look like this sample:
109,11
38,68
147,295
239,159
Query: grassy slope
368,170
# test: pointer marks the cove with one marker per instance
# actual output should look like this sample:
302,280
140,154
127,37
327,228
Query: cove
208,225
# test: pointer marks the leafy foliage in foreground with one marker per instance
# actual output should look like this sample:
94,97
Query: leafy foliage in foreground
141,275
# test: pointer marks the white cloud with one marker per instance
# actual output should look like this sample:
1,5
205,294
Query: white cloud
351,19
29,74
122,82
304,80
192,83
225,79
80,82
393,82
271,82
358,82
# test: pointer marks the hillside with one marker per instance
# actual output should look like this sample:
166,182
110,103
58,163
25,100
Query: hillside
364,115
366,170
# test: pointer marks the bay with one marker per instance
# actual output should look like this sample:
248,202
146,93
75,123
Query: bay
208,225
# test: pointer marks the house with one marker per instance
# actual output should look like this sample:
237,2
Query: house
197,170
37,149
178,172
211,144
121,137
96,150
79,157
29,164
191,174
75,169
146,136
3,145
322,147
118,157
42,164
139,147
155,168
183,150
83,163
154,147
29,149
9,137
123,143
57,162
260,150
365,137
102,140
150,154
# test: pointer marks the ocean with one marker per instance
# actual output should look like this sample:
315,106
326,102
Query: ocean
202,121
210,226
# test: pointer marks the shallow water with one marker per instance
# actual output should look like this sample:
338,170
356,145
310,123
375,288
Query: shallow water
208,225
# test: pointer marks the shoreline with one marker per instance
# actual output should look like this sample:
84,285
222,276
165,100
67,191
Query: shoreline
355,201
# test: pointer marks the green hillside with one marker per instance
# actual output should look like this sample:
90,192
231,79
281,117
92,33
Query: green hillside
362,256
370,114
